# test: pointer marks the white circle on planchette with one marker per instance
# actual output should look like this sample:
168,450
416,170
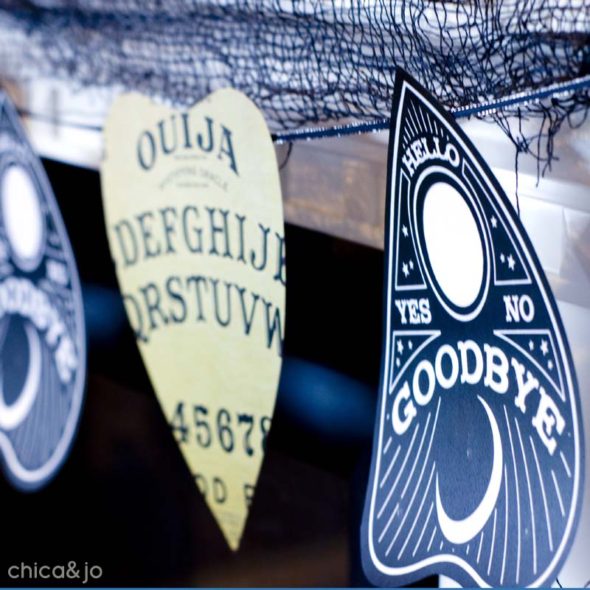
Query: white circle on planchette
23,217
453,243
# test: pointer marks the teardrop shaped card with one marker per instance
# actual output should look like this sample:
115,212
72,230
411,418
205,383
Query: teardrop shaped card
42,330
478,452
194,219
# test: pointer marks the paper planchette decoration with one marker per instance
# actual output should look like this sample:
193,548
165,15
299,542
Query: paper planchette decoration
194,219
477,461
42,329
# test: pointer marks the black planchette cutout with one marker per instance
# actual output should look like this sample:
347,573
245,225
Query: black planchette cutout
474,475
42,331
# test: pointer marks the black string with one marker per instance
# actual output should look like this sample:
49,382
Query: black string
497,109
287,156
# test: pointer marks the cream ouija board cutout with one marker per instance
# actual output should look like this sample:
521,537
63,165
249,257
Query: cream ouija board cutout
194,219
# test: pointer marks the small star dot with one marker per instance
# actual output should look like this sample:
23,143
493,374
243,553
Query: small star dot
400,347
410,344
405,231
502,258
550,365
531,345
511,262
544,347
397,363
494,222
405,269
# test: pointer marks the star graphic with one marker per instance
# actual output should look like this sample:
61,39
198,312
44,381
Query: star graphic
400,346
405,231
494,222
411,265
544,347
531,345
502,258
511,262
397,362
550,365
405,269
410,344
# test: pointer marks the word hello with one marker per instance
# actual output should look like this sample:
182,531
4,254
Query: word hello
429,148
20,296
177,133
467,364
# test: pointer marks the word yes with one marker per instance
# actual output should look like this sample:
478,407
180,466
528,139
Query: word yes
418,310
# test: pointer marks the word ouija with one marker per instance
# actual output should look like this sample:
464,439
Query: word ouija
177,133
467,364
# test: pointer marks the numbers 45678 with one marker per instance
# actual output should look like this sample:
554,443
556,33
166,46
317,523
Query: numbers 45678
231,431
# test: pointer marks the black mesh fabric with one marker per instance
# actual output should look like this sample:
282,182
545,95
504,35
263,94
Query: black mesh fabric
319,63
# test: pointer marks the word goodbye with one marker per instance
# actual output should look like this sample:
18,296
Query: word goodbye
465,363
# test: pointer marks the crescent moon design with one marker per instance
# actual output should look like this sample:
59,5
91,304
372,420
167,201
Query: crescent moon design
462,531
12,415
